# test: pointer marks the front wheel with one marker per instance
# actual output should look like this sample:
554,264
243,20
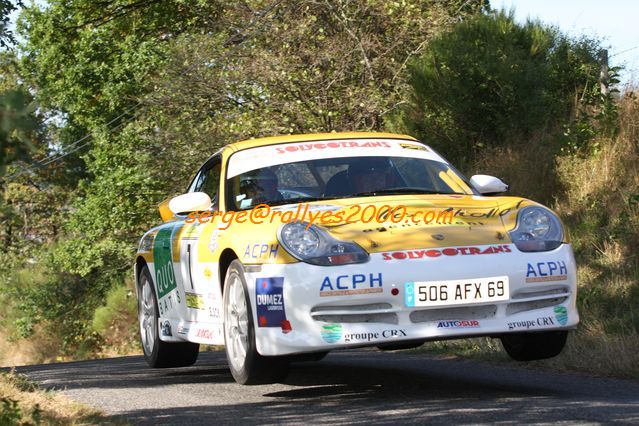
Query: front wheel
159,354
247,366
533,346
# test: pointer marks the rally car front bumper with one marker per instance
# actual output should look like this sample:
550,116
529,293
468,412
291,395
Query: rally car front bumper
301,308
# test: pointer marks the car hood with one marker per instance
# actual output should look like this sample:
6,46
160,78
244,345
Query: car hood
457,220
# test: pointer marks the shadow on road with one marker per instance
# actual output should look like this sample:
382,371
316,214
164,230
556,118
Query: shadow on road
353,386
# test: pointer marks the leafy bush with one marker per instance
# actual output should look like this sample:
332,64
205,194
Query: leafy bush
116,321
51,307
490,80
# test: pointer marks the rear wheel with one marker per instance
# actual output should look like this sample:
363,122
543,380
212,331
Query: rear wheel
532,346
159,354
247,366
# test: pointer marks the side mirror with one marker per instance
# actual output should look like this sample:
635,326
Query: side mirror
488,185
190,202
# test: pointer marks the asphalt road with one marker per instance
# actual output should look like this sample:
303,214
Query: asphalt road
346,387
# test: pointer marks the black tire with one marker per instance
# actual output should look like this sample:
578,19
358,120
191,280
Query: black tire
400,346
533,346
312,357
160,354
250,368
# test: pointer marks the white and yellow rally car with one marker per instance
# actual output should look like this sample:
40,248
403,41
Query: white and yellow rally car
285,248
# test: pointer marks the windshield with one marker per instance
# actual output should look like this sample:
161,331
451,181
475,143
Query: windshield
416,170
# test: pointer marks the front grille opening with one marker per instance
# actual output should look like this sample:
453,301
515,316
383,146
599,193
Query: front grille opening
366,313
387,318
539,293
458,313
353,308
517,307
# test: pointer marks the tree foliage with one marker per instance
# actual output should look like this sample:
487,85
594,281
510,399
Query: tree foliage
7,7
490,79
159,85
296,67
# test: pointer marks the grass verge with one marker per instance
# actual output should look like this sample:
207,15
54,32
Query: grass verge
588,351
23,402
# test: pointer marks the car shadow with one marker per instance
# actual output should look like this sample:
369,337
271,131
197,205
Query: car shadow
356,386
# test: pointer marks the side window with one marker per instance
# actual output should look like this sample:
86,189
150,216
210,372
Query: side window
208,180
197,182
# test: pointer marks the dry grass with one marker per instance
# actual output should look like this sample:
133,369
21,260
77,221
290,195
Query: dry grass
589,350
22,352
596,192
41,347
528,167
23,403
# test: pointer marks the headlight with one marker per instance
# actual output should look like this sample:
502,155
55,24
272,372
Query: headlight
318,247
538,229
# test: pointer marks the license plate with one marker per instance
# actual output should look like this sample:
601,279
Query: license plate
456,292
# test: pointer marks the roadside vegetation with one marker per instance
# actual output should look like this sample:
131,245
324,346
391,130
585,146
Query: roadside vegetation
527,103
23,403
160,85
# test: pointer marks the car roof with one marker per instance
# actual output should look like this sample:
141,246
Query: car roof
273,140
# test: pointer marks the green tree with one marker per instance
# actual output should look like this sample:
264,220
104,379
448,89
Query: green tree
303,66
160,84
6,35
490,80
16,126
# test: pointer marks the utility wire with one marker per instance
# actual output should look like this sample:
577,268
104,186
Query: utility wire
111,130
53,157
238,37
624,51
88,137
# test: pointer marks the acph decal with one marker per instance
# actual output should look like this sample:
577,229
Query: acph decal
546,271
346,285
261,251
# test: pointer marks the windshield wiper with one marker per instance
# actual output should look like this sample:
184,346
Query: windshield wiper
295,200
400,190
386,191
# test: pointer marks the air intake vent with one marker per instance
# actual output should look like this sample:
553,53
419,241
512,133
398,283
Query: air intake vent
382,313
459,313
